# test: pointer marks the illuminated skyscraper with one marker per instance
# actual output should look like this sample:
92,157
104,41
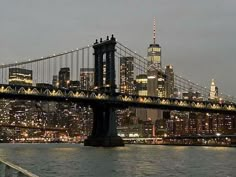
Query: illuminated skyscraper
141,89
127,75
213,91
155,76
169,81
87,78
19,76
154,50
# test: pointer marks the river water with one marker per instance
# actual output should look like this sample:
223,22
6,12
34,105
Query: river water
74,160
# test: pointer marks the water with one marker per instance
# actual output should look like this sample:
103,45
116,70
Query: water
73,160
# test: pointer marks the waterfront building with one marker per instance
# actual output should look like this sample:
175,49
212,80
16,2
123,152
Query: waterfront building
127,75
176,123
148,129
154,50
19,76
86,78
64,77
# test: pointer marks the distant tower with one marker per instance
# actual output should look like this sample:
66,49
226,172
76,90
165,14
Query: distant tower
213,90
155,76
154,50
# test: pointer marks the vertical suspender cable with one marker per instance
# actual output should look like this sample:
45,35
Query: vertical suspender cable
71,65
83,64
77,65
43,72
2,75
5,79
88,79
88,57
66,57
61,58
49,71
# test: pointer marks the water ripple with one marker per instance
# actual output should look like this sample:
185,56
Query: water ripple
71,160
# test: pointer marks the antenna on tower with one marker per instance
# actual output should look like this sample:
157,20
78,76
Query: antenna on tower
154,31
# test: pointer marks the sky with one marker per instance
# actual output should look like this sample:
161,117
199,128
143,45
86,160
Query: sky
197,36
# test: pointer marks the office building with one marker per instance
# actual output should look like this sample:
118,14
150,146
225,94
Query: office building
64,77
169,82
141,90
19,76
87,78
74,84
127,75
55,82
191,95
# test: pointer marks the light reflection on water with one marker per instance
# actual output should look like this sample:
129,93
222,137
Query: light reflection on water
71,160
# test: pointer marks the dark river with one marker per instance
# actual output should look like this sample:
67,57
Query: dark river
72,160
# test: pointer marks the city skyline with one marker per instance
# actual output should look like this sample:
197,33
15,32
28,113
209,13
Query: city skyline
193,35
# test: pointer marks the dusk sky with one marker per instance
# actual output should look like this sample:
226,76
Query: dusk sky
197,37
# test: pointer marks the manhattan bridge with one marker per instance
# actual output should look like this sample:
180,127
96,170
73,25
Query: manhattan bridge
104,95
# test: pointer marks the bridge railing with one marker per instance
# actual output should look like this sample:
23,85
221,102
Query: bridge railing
8,169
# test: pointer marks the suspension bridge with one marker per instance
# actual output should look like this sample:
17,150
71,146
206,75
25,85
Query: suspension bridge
103,92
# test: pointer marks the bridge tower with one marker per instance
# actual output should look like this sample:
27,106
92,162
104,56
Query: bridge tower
104,131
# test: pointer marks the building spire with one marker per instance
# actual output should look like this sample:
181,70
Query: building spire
154,31
212,82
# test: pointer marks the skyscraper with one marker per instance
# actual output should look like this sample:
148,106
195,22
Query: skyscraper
127,75
155,76
154,50
141,90
64,77
86,78
169,81
213,91
19,76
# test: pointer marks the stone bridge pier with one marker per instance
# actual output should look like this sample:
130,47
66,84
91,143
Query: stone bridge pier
104,131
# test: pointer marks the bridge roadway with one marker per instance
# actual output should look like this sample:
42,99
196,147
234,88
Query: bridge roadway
117,100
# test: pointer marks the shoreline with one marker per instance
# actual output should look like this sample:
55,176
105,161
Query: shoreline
164,144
